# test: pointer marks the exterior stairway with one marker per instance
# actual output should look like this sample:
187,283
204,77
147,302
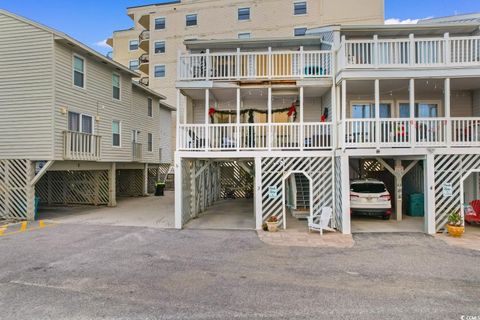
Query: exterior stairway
303,197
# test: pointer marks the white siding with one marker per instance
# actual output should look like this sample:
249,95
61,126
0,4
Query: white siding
96,100
26,95
166,136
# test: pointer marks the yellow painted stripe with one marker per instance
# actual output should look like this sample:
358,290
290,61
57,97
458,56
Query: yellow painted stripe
23,226
2,230
41,224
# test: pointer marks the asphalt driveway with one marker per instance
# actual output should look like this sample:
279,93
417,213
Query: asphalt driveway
77,271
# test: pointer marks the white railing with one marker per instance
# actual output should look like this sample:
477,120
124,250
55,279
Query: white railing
255,65
360,132
137,151
418,52
431,132
81,146
395,132
465,131
258,136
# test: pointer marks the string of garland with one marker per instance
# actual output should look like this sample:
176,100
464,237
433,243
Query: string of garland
291,111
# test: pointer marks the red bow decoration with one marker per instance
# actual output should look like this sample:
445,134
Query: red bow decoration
292,110
211,111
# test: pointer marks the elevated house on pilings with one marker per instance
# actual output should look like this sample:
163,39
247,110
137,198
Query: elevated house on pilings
279,127
74,128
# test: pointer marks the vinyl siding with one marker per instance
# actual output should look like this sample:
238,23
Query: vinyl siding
166,136
145,124
95,100
26,95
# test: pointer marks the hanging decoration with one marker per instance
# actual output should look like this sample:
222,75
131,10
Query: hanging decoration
291,111
324,116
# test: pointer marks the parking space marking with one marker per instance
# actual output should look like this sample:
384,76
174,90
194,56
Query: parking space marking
24,226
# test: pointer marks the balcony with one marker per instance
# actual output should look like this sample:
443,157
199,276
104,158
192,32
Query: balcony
421,132
269,65
81,146
144,63
410,52
137,151
258,136
144,40
145,81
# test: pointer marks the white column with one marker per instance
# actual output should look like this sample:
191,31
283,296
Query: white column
413,127
269,63
344,112
398,189
208,64
345,179
112,184
377,113
207,120
177,120
258,193
237,142
447,112
30,191
413,52
269,119
302,131
336,108
178,192
429,175
375,51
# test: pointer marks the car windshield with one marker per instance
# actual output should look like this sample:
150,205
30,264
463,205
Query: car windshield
368,187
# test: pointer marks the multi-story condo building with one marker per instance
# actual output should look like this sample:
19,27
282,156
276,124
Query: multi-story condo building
283,125
74,127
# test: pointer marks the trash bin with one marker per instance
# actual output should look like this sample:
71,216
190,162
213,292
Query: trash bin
416,206
159,189
37,204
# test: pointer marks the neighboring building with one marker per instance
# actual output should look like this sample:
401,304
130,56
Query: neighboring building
283,125
461,18
74,128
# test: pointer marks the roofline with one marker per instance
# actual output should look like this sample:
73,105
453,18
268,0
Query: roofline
167,106
147,89
408,26
155,4
452,16
77,43
251,40
123,30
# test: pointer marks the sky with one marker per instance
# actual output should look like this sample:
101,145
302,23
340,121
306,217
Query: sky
92,21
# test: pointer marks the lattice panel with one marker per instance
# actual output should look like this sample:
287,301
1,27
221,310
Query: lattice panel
74,187
236,180
372,166
186,191
338,194
153,178
129,182
318,168
451,169
15,192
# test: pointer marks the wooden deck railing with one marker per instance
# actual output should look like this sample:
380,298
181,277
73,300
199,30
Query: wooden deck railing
81,146
137,151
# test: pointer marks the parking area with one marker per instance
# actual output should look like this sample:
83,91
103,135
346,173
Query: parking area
153,212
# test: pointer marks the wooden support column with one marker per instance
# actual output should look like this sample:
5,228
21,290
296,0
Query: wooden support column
30,190
145,180
429,174
178,193
345,179
112,185
447,112
344,113
377,113
413,127
269,120
258,193
398,190
237,135
333,113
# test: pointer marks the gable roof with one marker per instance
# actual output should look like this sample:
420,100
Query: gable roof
66,39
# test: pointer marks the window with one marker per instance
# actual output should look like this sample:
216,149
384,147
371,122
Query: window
299,32
300,8
150,142
367,111
80,122
149,107
160,71
244,35
78,72
191,20
133,65
160,47
422,110
133,45
159,23
135,136
243,14
116,86
116,129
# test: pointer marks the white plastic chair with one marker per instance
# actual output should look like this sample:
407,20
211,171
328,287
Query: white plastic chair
324,216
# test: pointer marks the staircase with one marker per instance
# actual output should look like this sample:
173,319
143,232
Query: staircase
303,197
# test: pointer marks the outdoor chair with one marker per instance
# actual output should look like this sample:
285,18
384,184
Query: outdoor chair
319,222
195,142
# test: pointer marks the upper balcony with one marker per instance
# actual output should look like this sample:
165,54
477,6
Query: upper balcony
411,52
256,65
144,63
81,146
144,40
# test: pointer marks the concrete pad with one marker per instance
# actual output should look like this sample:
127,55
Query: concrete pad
469,240
375,224
237,214
153,212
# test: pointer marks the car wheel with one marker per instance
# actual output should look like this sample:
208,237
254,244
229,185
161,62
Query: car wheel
386,217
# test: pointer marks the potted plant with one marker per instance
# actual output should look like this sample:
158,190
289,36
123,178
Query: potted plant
455,225
272,224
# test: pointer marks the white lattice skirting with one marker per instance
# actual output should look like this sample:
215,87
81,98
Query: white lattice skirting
16,193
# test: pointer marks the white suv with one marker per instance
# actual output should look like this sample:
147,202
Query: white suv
369,196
